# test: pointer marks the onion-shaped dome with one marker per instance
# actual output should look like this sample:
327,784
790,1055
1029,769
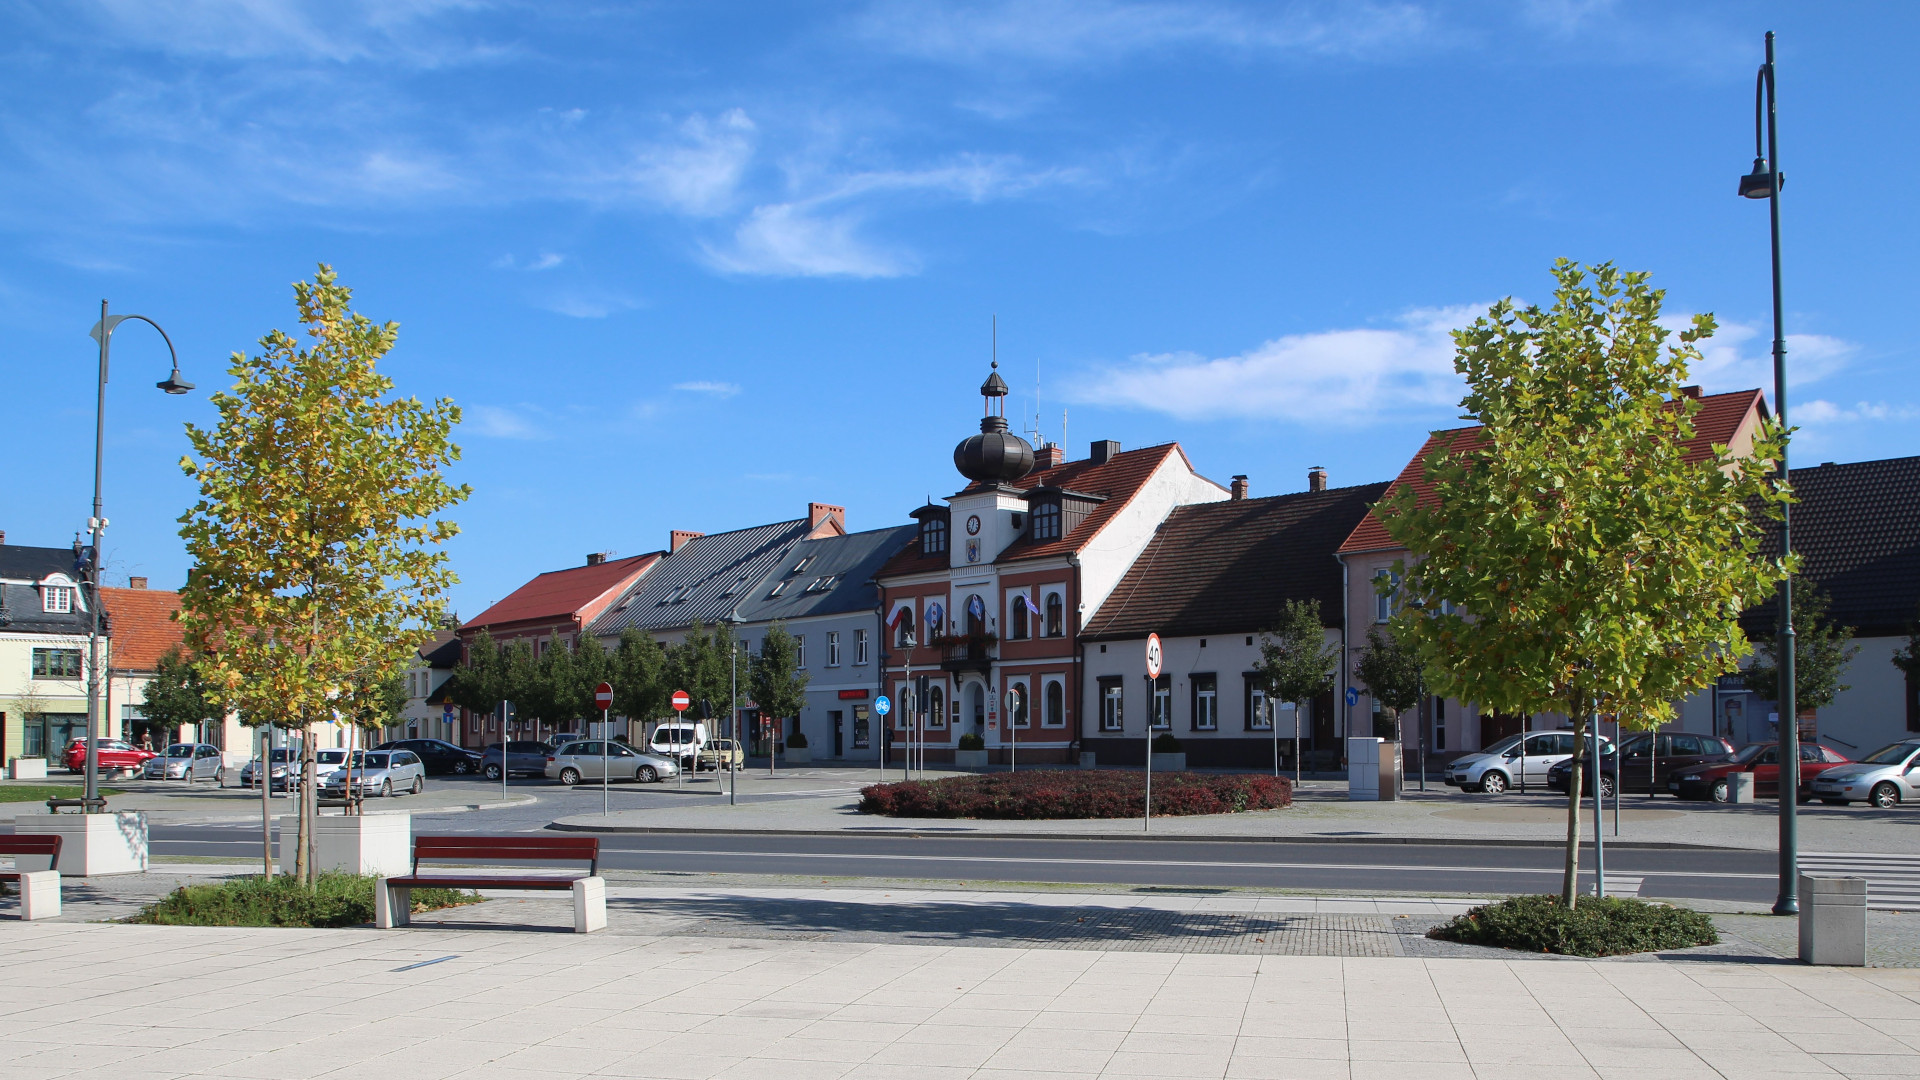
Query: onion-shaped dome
996,455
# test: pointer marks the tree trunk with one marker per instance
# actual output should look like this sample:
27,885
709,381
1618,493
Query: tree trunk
309,804
264,775
1570,880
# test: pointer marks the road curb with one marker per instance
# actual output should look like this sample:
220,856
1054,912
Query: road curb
919,834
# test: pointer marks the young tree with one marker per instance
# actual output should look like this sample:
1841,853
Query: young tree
639,677
30,707
1822,650
778,686
478,684
699,664
1391,674
1296,665
177,696
314,539
1591,565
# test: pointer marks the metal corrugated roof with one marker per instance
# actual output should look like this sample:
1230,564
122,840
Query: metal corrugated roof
850,562
705,580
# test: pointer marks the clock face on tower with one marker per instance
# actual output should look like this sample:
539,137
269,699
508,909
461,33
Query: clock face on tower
973,525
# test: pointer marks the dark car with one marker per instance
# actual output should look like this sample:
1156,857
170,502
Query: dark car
526,758
1709,781
440,758
1671,753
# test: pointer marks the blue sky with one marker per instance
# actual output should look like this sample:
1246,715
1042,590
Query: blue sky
691,265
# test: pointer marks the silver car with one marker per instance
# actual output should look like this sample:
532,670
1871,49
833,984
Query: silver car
577,761
1886,778
378,772
189,762
1506,764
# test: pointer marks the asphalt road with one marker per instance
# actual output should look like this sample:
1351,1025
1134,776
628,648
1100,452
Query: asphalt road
1355,868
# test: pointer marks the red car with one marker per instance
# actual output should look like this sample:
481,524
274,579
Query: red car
1709,781
114,756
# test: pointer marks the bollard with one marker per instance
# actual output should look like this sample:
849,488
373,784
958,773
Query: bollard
1740,787
1833,921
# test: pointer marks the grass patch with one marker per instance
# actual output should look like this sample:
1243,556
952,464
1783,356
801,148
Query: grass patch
1053,794
43,792
1615,926
335,900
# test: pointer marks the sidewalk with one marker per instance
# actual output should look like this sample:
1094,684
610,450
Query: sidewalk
174,803
1321,811
110,1002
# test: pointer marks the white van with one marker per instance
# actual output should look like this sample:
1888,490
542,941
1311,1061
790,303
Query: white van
681,740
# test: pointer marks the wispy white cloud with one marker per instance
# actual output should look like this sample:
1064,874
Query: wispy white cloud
1826,413
717,389
697,170
337,31
587,303
497,422
546,260
1335,377
1739,357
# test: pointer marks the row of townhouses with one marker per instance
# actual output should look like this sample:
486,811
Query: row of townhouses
1017,609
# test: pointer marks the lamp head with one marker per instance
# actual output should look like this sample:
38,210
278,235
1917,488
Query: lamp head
175,384
1758,184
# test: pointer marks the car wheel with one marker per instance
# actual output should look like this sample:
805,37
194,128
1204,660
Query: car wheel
462,767
493,772
647,774
1885,796
1606,787
1834,802
419,785
386,789
569,777
1722,792
1493,783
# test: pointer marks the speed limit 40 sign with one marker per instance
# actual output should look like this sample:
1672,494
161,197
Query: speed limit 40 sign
1153,656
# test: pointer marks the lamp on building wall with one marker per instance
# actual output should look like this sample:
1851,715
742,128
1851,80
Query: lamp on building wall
173,384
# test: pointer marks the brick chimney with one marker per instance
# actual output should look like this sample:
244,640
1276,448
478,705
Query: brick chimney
3,536
826,520
1103,451
1690,391
1239,486
677,538
595,558
1049,456
1317,478
136,583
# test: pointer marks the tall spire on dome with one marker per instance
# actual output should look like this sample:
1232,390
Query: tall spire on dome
995,455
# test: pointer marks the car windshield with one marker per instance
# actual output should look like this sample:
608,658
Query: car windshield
1749,752
330,757
374,760
1890,755
180,750
1503,745
283,755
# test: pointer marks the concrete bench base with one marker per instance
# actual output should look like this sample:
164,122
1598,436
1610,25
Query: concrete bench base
393,904
39,894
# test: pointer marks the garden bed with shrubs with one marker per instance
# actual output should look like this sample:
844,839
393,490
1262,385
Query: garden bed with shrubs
1615,926
1049,794
335,900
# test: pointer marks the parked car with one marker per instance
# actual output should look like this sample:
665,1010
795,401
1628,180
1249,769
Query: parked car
440,757
1710,781
187,761
115,756
722,754
523,756
284,771
580,760
680,740
1886,778
1507,764
555,742
378,772
1672,751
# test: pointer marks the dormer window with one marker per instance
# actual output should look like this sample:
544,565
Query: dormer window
801,566
1046,521
778,588
933,535
56,599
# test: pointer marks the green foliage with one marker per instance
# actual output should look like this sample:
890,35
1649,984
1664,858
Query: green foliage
1296,661
1822,650
373,703
1615,926
970,741
1571,558
640,687
797,740
177,696
43,792
701,665
777,684
334,900
481,681
1054,794
1392,675
1165,743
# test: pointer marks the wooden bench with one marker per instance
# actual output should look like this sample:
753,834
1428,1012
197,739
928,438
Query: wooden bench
39,889
393,896
98,804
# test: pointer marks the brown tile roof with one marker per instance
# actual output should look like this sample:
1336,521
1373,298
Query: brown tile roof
560,594
1717,421
1229,567
1117,479
143,630
1857,531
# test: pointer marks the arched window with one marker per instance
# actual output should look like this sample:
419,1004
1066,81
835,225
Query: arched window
976,616
1017,616
903,629
977,705
1056,615
1017,705
936,707
1056,708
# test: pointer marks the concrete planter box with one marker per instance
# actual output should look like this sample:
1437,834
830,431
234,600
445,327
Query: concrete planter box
377,844
799,755
27,768
969,759
91,844
1170,762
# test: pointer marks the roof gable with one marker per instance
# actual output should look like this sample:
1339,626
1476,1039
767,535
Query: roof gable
564,594
142,626
1856,528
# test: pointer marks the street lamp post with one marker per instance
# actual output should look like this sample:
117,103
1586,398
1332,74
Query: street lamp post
1764,182
173,384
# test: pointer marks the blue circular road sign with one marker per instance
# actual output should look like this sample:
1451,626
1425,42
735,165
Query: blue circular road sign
882,706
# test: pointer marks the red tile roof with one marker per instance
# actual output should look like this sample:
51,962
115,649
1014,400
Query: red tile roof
1718,420
562,594
1117,478
142,626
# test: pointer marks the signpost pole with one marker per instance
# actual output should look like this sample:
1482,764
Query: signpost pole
1153,679
606,773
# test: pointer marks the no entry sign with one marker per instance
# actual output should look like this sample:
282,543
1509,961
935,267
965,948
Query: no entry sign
681,700
603,696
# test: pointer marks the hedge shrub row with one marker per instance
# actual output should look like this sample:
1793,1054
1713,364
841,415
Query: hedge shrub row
335,900
1046,794
1611,927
